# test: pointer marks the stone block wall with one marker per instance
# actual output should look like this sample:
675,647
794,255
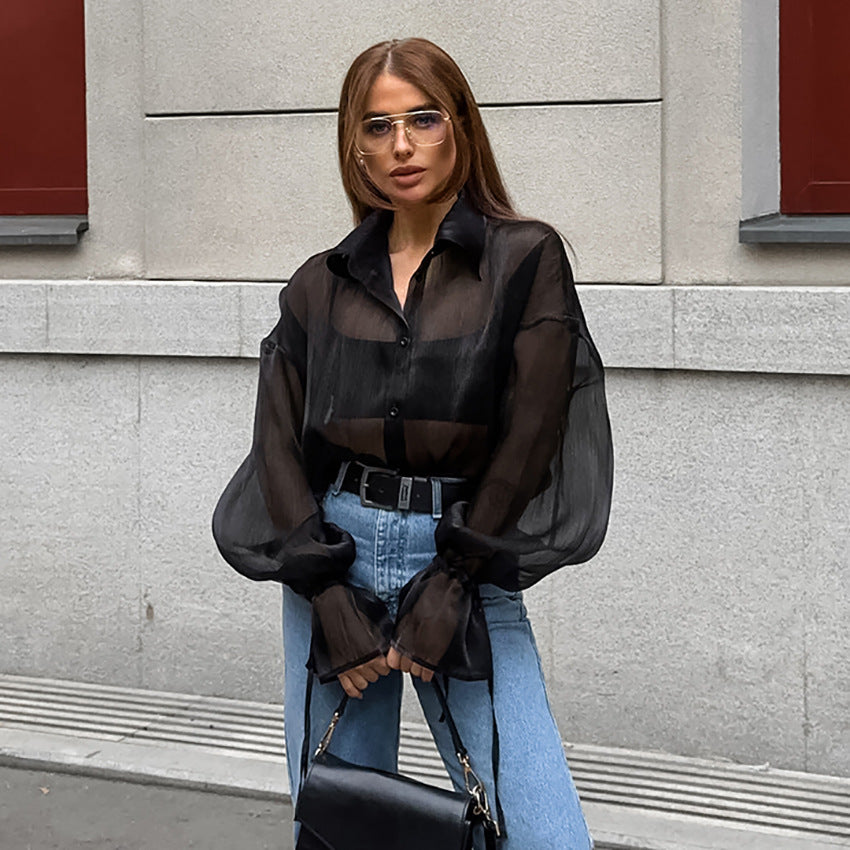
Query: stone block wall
713,621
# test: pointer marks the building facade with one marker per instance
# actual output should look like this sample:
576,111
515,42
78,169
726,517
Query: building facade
714,621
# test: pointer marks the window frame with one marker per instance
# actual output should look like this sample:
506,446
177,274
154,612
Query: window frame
762,220
43,176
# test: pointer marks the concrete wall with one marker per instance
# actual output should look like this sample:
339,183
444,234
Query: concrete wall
711,623
715,612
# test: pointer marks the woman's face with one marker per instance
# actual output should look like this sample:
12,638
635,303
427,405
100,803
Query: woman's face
405,172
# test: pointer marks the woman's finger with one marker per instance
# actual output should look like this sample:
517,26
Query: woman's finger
368,672
359,681
348,686
380,665
423,672
397,661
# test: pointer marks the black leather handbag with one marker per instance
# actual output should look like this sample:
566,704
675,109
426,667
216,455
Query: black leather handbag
343,806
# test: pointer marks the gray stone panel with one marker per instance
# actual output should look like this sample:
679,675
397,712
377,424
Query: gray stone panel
69,518
245,198
249,198
23,316
758,329
205,629
259,314
144,318
686,634
764,329
632,326
595,173
824,439
258,55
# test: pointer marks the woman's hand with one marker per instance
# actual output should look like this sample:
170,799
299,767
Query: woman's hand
401,662
357,679
350,624
441,626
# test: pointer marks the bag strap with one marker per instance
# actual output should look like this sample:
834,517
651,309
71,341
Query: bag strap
326,738
474,786
494,751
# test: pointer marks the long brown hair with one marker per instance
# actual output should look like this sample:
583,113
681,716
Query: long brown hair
424,65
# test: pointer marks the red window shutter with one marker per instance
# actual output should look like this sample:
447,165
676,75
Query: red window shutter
43,127
814,108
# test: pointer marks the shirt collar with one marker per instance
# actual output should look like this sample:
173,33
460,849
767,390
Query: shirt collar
355,255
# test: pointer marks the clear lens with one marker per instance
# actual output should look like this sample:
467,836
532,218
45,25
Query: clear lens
425,128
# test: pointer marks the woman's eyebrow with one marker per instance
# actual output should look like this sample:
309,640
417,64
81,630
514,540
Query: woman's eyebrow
424,107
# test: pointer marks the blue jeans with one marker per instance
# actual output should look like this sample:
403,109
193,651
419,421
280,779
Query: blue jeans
539,800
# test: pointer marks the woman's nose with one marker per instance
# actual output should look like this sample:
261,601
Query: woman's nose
401,141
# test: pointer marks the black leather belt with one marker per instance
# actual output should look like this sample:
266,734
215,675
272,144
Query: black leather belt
384,488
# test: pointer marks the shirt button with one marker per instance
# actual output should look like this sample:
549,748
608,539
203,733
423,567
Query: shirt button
404,341
393,412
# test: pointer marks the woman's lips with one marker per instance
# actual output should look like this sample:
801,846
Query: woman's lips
407,176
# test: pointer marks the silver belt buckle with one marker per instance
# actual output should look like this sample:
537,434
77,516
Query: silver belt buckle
405,490
366,502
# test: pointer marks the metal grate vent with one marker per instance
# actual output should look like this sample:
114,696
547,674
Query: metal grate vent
734,794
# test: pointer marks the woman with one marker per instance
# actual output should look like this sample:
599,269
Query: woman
430,439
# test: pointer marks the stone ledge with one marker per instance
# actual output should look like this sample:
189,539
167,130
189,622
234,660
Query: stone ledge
42,229
796,229
800,329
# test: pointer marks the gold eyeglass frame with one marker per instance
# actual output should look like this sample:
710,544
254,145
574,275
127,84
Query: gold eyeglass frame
401,118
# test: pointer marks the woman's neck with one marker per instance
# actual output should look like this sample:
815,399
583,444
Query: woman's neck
415,228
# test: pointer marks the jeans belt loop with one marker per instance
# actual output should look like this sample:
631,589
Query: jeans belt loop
436,498
337,485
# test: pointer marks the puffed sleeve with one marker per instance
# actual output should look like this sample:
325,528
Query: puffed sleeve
268,525
544,499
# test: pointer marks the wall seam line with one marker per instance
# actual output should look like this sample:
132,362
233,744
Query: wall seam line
140,665
249,113
47,315
674,313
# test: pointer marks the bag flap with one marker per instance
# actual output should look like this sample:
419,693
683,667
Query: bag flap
356,808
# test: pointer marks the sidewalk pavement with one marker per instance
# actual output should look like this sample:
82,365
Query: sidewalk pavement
40,810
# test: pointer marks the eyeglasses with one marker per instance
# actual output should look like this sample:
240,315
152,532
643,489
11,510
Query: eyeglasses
425,127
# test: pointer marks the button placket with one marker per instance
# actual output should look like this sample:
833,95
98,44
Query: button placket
402,368
397,389
417,286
